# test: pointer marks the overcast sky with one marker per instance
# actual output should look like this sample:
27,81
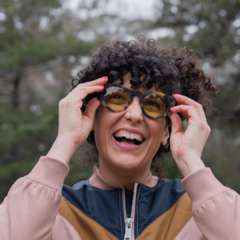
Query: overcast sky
130,9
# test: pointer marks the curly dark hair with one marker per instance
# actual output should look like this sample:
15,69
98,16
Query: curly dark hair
169,70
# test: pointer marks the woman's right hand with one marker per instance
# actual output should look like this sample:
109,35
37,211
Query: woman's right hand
74,127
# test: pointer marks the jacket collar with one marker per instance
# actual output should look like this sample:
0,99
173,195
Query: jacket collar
98,181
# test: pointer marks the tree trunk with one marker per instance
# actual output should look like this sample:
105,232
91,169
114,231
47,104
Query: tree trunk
16,89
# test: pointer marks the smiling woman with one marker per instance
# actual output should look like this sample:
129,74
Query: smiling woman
143,66
129,102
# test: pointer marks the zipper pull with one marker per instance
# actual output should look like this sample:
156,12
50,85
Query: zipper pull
128,231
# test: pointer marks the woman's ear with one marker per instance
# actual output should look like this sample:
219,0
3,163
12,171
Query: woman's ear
165,135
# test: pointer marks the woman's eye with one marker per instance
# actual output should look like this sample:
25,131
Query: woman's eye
153,104
117,96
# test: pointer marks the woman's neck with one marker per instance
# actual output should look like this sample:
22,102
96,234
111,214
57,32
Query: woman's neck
124,177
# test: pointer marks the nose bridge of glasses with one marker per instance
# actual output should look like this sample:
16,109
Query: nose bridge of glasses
135,93
135,103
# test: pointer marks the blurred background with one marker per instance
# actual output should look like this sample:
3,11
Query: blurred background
43,44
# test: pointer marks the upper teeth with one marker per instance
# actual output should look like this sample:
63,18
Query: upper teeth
128,135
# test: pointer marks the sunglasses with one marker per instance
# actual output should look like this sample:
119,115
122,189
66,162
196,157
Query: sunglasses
116,98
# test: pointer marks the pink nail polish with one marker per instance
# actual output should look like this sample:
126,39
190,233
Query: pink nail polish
176,94
105,77
171,107
100,85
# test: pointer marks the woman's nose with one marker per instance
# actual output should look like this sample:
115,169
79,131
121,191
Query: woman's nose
134,112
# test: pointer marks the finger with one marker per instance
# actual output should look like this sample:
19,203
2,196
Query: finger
82,92
189,112
183,100
89,113
102,80
176,123
186,111
91,108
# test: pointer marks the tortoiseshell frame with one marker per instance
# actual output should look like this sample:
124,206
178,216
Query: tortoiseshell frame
170,99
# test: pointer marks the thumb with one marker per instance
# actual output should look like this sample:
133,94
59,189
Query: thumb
88,116
91,108
176,123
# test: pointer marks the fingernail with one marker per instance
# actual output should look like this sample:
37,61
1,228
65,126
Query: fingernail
176,94
105,77
171,107
100,85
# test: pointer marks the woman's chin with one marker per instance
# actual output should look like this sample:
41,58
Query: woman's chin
126,163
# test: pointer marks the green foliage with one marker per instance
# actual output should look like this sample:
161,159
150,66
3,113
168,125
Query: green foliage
225,164
18,126
29,45
215,36
24,137
37,50
170,169
21,168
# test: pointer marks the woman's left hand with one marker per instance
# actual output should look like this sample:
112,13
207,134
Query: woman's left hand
187,146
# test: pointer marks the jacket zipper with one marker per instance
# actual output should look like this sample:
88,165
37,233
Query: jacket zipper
129,222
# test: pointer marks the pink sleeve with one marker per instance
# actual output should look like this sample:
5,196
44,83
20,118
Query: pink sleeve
30,209
216,209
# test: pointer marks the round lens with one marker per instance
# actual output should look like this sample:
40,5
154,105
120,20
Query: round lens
155,105
116,98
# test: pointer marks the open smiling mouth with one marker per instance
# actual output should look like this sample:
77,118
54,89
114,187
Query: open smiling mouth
127,138
127,141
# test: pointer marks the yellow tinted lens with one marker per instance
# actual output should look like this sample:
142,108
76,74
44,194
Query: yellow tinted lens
116,98
154,105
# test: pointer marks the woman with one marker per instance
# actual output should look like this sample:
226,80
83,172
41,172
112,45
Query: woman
132,115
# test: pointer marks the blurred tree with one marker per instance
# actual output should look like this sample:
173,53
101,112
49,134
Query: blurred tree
30,35
24,136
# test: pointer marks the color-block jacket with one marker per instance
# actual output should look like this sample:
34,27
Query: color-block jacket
96,210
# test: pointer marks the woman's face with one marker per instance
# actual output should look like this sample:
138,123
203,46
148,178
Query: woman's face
124,154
